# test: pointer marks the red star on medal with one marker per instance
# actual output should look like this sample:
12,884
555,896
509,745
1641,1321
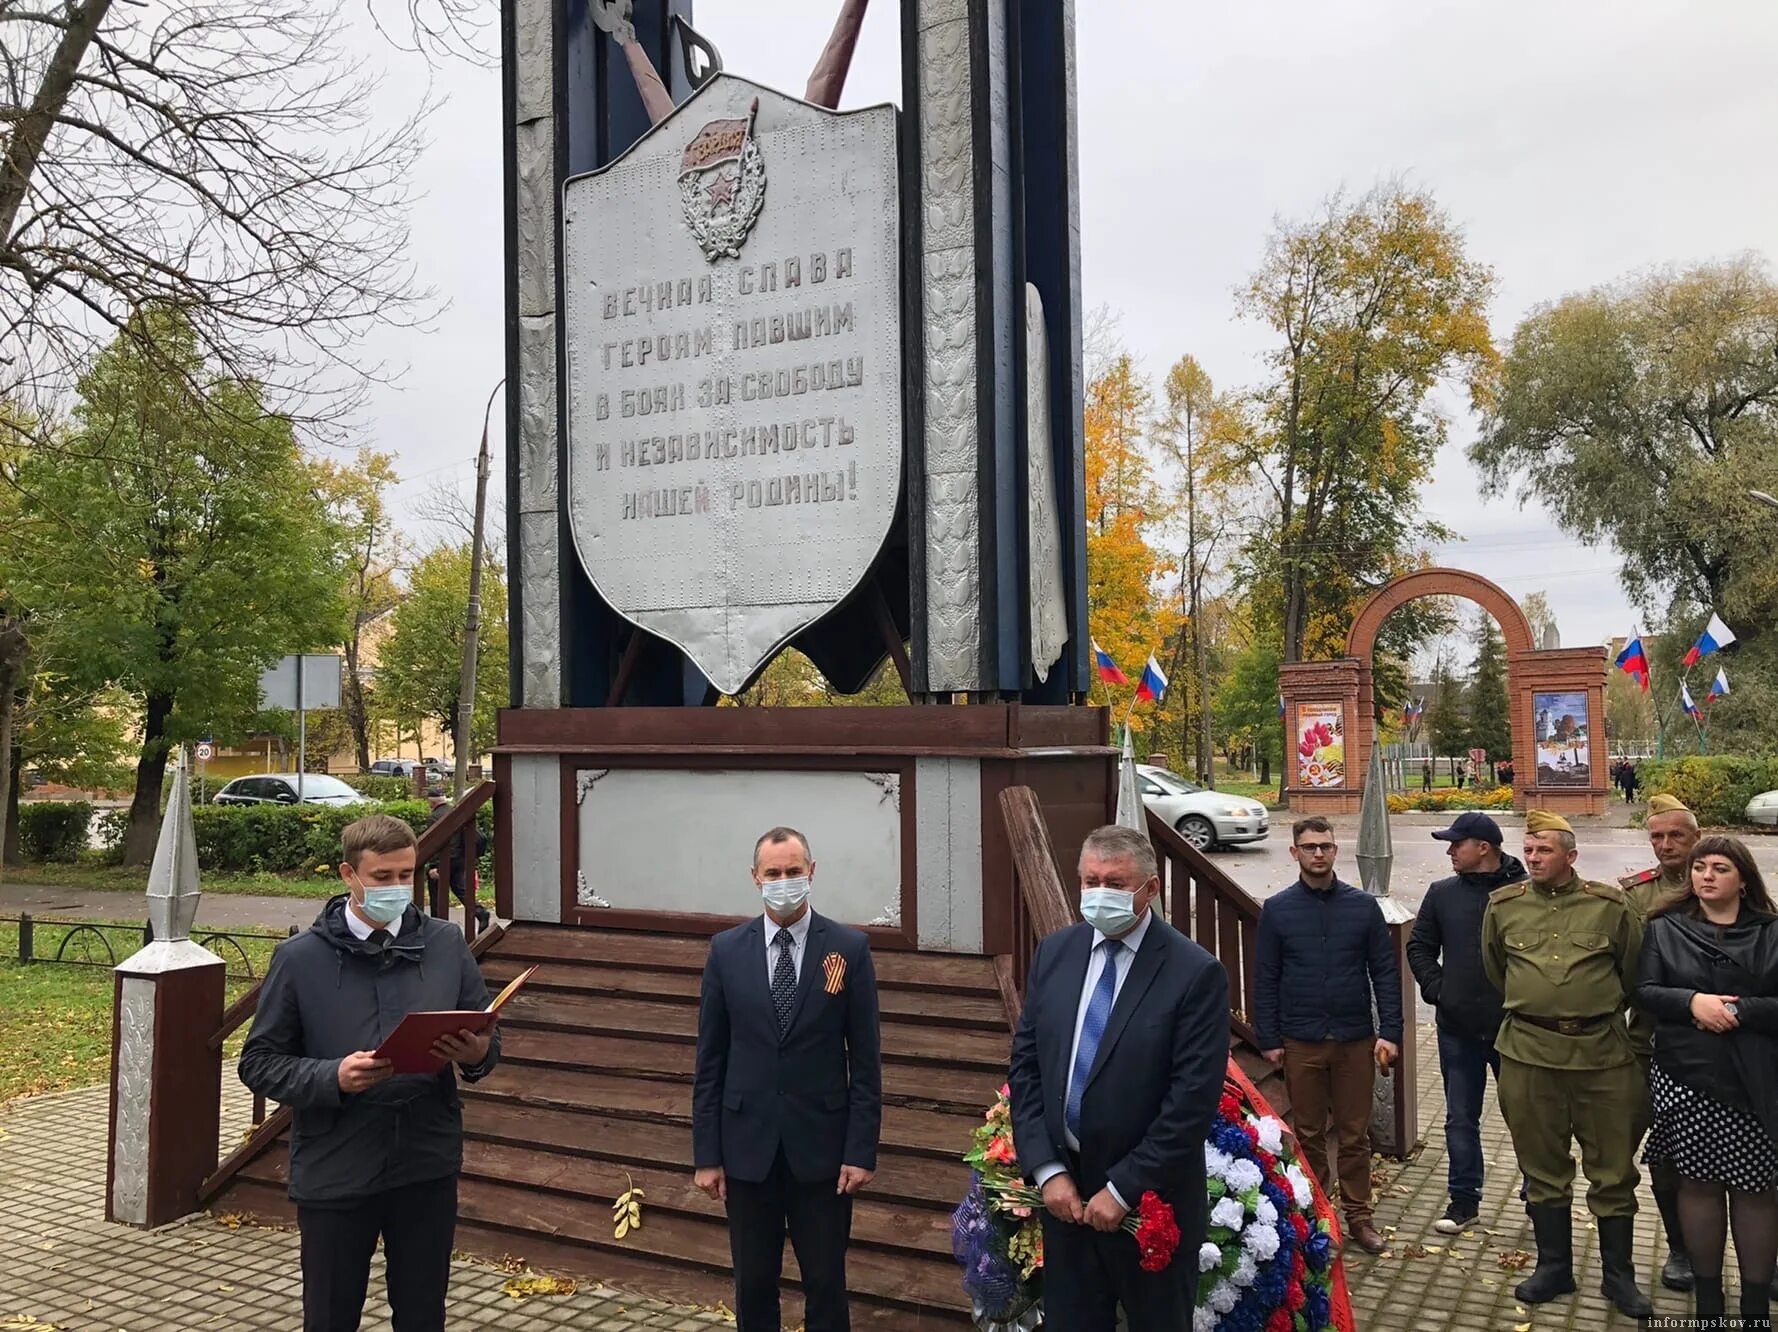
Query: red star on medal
722,190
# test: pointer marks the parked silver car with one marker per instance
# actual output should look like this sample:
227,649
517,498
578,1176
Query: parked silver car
1763,808
1206,819
279,788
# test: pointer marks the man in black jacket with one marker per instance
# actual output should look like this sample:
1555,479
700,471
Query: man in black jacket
372,1153
787,1100
1445,954
1116,1069
1324,951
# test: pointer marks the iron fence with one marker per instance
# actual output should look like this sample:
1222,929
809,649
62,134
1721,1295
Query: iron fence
89,943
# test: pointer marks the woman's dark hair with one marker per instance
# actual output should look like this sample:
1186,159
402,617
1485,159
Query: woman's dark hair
1733,850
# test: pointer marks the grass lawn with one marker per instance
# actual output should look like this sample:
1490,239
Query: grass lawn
55,1019
135,879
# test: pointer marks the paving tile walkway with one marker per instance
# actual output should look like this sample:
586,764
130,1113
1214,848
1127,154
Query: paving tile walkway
64,1266
68,1268
1429,1282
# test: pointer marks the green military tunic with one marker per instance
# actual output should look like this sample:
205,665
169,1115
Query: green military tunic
1568,955
1644,890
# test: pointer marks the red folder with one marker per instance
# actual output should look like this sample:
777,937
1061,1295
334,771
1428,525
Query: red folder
409,1046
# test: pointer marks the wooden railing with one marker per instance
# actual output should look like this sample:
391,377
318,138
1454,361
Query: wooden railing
1199,900
1205,904
451,837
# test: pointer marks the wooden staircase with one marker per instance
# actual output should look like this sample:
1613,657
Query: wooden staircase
594,1092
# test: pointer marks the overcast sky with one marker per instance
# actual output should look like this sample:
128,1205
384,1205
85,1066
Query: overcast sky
1574,142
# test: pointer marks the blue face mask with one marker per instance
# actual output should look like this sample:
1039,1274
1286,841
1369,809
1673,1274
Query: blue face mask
386,905
1111,911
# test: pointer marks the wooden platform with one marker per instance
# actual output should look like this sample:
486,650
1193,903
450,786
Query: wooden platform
594,1092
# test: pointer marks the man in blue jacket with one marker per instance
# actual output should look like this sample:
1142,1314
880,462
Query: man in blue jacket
372,1153
1323,953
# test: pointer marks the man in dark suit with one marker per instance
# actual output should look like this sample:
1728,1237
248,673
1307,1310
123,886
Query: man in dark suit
1116,1070
788,1096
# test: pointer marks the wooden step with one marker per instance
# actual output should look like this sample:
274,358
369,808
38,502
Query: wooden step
918,1132
955,972
621,980
907,1177
906,1041
962,1090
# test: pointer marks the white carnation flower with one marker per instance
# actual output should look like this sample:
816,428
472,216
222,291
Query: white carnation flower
1228,1213
1299,1185
1204,1319
1246,1270
1266,1212
1216,1163
1271,1134
1243,1176
1209,1256
1223,1297
1261,1242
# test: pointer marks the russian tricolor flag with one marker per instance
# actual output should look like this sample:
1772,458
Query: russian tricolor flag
1720,685
1633,661
1108,670
1153,684
1715,638
1685,701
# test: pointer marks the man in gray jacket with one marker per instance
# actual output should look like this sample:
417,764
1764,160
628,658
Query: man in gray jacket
372,1154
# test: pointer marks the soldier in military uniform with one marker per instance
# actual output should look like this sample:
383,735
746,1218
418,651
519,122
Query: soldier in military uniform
1562,951
1672,833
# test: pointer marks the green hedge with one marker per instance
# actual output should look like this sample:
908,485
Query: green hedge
1716,787
54,829
378,787
285,839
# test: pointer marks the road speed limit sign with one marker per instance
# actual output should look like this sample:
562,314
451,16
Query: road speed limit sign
205,751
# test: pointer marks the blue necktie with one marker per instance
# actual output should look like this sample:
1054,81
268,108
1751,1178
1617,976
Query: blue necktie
1091,1031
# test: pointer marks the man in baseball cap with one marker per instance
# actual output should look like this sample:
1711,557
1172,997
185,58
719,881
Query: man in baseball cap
1445,953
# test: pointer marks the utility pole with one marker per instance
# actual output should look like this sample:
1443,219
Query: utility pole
472,626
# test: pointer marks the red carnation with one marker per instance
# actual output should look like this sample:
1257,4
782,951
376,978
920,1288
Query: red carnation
1252,1134
1280,1321
1268,1164
1301,1226
1298,1268
1157,1234
1228,1107
1294,1297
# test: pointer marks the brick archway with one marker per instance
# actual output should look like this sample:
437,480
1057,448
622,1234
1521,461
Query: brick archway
1514,627
1346,685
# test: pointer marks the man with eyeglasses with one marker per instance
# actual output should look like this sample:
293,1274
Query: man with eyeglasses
1324,952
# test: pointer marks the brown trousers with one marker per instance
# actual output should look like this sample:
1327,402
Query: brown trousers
1333,1081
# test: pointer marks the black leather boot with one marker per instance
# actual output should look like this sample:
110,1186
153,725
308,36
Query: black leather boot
1707,1302
1616,1236
1554,1227
1676,1272
1756,1308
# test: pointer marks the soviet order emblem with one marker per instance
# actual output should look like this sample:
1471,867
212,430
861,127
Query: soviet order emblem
722,184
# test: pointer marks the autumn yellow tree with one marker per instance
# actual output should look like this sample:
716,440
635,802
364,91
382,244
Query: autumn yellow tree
1131,612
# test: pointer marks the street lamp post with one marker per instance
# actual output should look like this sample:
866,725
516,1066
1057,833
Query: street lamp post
472,625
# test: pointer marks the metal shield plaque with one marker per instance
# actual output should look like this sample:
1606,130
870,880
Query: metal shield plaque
733,329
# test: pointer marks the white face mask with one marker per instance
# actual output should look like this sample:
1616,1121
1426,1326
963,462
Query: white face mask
1111,911
783,895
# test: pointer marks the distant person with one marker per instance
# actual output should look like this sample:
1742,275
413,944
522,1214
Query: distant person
1709,977
1324,956
1505,773
1631,782
461,870
371,1153
1445,954
1426,775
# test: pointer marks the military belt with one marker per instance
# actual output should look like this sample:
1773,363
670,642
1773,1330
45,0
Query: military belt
1568,1026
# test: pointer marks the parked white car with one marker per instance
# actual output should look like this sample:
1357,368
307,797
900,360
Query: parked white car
1763,808
274,788
1206,819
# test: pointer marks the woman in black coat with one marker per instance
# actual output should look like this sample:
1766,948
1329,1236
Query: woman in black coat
1709,978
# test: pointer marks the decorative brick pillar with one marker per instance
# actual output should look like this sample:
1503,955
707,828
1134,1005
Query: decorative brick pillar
1316,690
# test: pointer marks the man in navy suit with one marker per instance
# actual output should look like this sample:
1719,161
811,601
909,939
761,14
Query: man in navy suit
1116,1070
788,1096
